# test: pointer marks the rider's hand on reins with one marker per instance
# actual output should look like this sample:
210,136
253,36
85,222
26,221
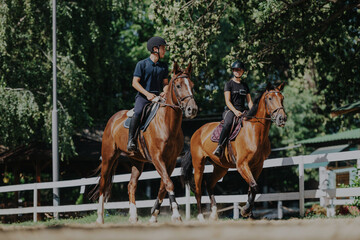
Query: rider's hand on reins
150,96
237,113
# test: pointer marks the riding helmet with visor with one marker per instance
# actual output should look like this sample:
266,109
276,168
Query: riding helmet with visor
238,64
155,42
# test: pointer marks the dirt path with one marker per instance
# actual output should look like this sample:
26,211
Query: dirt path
293,229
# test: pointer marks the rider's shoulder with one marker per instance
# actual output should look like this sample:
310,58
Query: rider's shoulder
163,64
142,62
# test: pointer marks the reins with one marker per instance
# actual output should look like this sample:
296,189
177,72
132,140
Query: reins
272,117
179,100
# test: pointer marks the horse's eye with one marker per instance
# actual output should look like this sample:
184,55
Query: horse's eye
178,86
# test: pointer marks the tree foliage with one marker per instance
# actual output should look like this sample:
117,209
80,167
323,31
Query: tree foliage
311,45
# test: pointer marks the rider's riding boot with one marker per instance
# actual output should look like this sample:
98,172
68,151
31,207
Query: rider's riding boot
131,146
222,141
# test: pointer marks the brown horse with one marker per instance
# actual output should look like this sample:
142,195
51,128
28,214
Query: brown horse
250,148
164,140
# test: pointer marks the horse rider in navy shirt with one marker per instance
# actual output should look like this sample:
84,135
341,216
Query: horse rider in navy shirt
150,77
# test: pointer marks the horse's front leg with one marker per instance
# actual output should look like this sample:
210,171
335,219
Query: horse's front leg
155,211
246,173
169,186
136,171
246,211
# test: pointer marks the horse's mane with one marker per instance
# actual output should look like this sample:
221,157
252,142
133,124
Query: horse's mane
256,102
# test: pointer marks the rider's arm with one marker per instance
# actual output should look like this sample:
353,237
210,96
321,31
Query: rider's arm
136,84
248,99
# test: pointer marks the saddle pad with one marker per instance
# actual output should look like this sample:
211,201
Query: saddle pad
215,136
144,126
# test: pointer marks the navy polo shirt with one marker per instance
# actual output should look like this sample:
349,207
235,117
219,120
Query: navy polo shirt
151,75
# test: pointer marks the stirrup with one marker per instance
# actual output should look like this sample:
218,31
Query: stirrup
218,151
131,146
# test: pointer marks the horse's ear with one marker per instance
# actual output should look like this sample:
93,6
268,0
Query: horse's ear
281,86
269,86
189,68
175,68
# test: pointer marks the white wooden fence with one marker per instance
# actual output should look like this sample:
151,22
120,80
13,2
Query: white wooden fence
299,161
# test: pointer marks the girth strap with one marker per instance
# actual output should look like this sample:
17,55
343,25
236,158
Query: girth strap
231,153
144,147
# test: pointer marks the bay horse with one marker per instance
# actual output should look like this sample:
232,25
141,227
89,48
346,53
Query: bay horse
249,150
164,140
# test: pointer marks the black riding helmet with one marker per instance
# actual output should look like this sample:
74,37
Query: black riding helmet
155,42
238,64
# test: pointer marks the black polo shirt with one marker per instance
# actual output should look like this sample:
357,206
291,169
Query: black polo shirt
151,75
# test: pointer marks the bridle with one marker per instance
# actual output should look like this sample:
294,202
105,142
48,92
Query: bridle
178,99
274,114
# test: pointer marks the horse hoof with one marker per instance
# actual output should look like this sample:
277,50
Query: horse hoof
245,212
200,217
153,219
133,219
176,219
213,217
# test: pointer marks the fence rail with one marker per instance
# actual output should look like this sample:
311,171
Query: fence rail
187,200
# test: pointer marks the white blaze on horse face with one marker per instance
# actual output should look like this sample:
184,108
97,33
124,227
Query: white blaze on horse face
188,86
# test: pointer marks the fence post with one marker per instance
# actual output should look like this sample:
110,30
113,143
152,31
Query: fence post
323,185
35,199
301,188
187,201
236,210
280,210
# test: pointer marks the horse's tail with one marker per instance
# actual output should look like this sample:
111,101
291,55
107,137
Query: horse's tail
187,170
94,194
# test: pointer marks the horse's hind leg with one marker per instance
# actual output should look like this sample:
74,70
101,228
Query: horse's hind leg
136,171
216,175
199,164
108,167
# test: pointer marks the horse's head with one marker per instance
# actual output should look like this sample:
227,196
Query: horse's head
182,90
274,104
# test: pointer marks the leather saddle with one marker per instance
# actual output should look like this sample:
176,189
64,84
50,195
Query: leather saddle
147,115
236,127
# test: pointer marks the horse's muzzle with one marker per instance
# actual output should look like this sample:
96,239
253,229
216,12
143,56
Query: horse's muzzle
281,120
191,109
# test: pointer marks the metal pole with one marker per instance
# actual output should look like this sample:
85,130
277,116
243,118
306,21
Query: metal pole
55,149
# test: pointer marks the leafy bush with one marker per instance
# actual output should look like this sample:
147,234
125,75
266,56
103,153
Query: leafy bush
347,210
315,210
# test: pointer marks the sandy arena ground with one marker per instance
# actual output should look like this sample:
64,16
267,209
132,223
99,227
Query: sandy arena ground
347,228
